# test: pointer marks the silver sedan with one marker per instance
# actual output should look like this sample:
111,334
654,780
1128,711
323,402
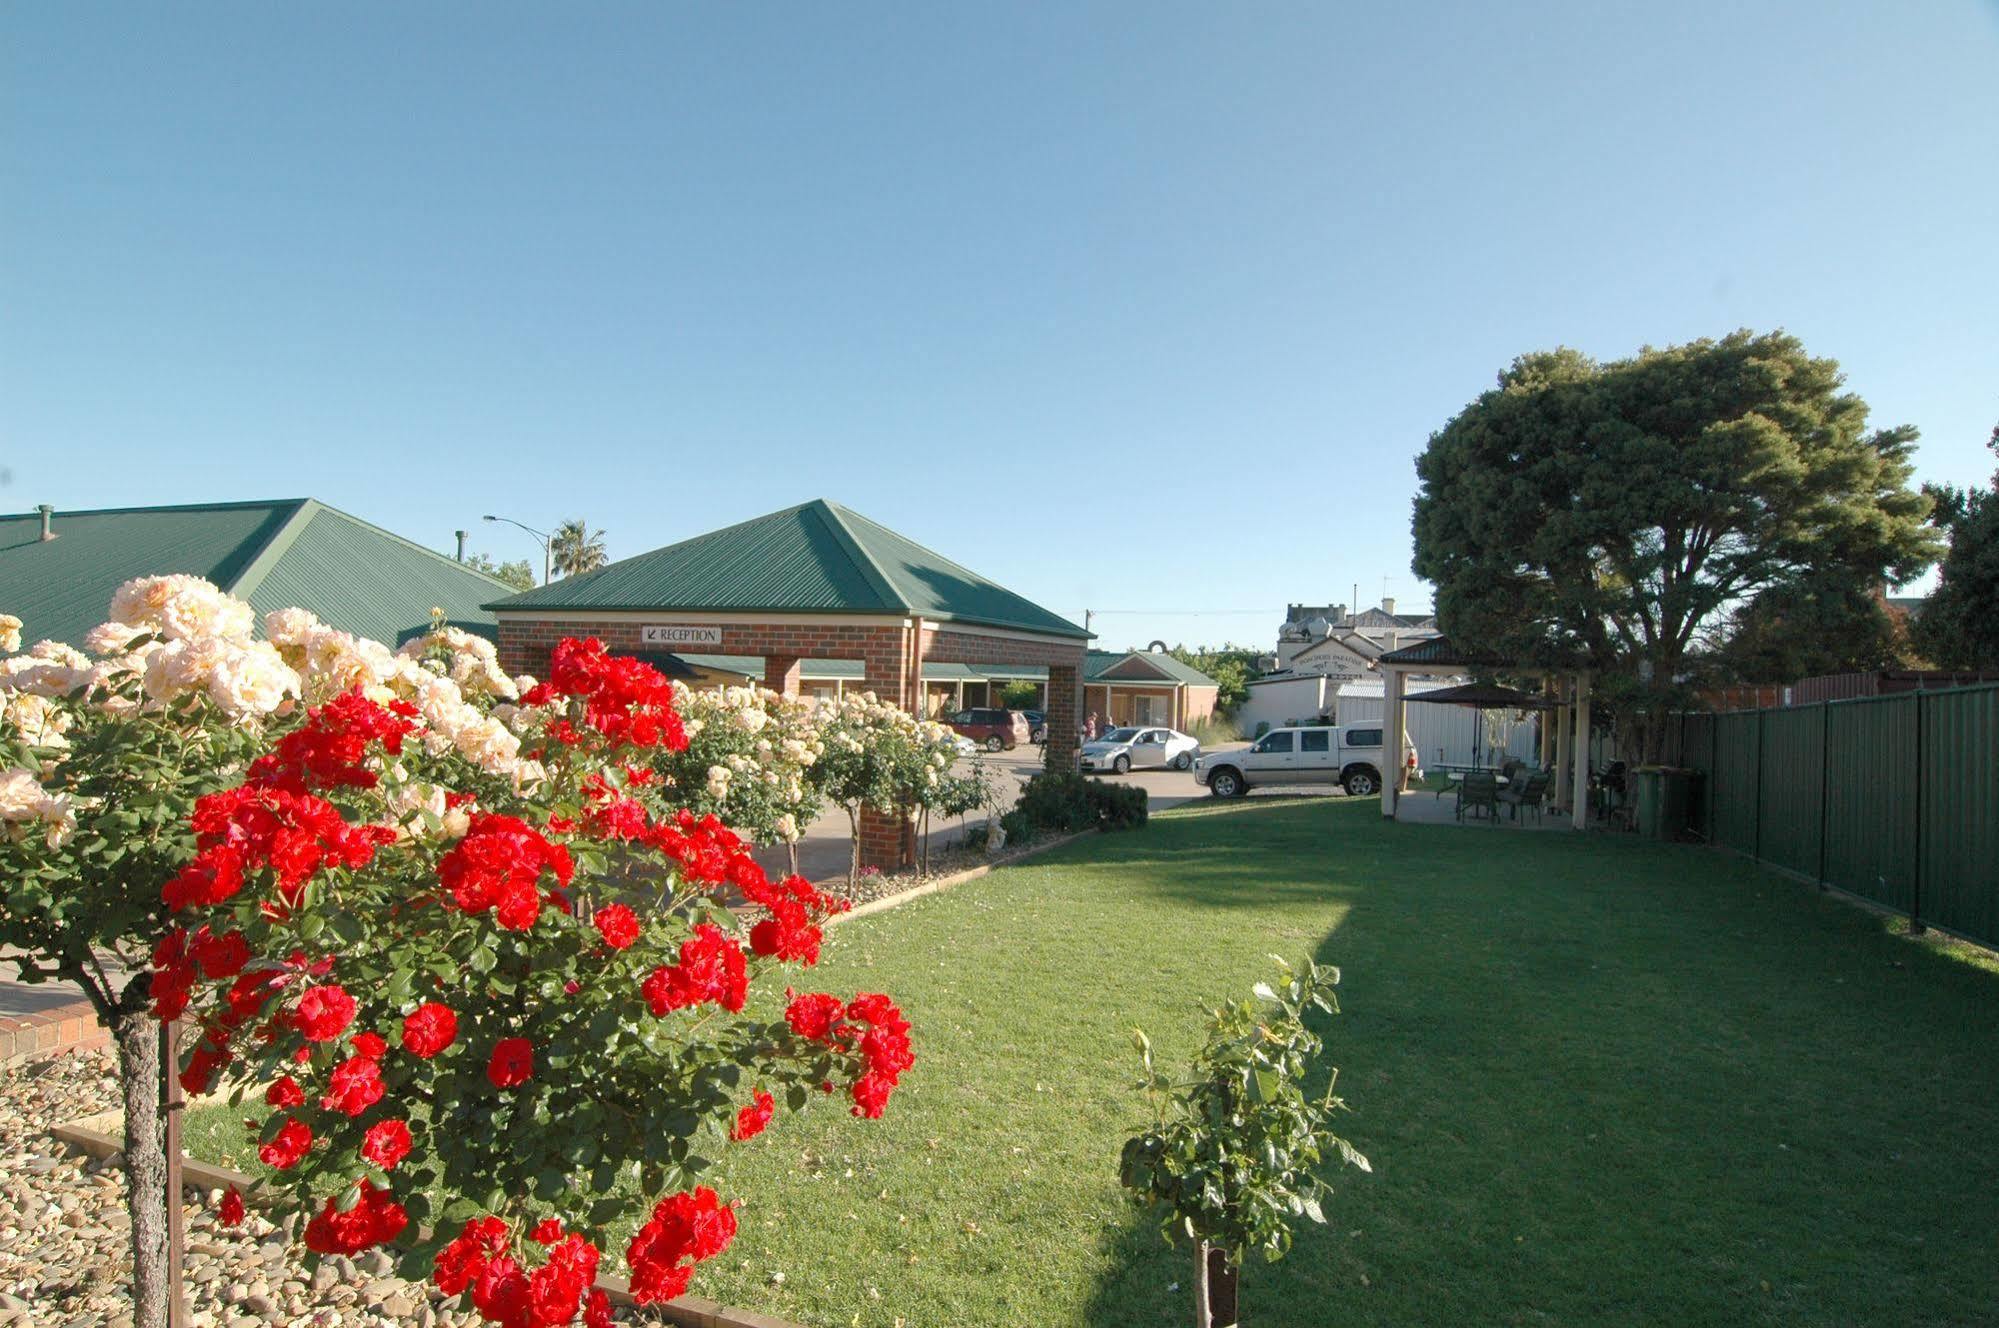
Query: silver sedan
1141,747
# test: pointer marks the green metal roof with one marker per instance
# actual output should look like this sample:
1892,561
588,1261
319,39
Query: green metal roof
1100,662
275,554
743,666
818,557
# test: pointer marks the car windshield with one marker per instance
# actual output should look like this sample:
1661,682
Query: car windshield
1119,735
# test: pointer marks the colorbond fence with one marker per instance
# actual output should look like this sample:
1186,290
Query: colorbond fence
1892,798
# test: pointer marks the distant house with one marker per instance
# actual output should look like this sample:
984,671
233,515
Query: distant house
1326,638
59,569
1146,687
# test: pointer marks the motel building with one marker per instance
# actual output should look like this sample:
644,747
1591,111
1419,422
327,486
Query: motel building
814,600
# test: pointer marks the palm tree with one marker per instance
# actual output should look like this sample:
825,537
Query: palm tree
577,549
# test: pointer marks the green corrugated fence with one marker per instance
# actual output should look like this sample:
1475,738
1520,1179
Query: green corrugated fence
1892,798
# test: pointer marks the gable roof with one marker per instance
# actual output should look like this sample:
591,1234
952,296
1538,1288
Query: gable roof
275,554
1105,666
817,557
1352,642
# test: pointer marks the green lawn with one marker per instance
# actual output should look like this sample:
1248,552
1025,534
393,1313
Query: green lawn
1601,1082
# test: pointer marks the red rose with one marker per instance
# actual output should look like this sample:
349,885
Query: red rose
751,1120
500,1292
597,1311
386,1143
812,1017
220,956
512,1063
356,1085
618,925
429,1029
691,1225
711,968
546,1232
287,1146
231,1212
374,1219
459,1262
371,1045
285,1092
324,1012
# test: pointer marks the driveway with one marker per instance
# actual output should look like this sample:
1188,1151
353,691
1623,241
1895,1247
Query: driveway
825,850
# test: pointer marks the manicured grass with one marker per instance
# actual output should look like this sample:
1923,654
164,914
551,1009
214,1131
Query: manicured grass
1601,1082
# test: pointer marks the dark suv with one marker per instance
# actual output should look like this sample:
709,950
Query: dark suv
992,729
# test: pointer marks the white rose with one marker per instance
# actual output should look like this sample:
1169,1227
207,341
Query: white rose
253,682
290,627
10,633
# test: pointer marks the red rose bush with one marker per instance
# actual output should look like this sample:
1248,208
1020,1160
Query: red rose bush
491,979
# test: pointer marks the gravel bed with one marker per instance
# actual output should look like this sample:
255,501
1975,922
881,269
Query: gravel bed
65,1251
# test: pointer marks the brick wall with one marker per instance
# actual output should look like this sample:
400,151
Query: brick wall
892,657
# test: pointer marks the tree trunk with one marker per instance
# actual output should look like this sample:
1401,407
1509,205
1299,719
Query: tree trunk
1214,1288
139,1072
791,854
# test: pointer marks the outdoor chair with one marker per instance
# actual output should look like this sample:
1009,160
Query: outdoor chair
1528,791
1480,788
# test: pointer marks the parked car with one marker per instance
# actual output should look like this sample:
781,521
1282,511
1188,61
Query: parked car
964,745
994,730
1037,725
1308,754
1141,746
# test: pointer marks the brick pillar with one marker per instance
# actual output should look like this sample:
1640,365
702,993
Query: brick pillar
781,674
1065,715
888,842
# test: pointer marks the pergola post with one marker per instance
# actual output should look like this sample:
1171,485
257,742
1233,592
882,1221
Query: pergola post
781,674
1559,718
1582,751
1393,728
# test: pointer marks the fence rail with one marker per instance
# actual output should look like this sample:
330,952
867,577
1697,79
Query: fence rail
1891,798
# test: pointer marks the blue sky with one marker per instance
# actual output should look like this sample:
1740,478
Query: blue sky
1136,308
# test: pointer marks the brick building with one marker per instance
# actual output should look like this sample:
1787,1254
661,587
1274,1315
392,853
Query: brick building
809,585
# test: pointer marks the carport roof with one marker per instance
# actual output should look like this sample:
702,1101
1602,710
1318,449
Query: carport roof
817,557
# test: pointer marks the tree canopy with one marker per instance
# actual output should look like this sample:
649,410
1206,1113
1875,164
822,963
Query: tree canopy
518,574
1959,624
1618,514
577,549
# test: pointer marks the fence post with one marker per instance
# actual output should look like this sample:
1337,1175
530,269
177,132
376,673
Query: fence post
1825,784
1916,882
1756,791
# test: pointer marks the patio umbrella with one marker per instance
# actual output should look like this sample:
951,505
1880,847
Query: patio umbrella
1481,697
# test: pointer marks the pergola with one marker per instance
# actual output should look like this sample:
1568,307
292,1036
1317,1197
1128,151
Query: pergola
1564,738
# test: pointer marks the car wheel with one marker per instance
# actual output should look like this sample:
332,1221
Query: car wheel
1362,783
1184,761
1122,765
1226,783
993,743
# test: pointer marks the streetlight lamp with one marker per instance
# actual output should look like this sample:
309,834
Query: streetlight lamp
547,555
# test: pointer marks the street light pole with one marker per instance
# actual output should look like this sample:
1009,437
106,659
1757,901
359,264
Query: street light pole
547,553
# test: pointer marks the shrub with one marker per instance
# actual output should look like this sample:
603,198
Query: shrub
1066,802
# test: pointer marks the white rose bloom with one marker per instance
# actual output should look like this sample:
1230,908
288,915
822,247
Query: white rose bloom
198,611
10,633
489,745
39,721
786,826
253,682
290,627
111,638
180,667
140,601
21,795
527,774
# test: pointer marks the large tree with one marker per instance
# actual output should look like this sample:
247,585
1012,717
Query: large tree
518,574
1618,513
1959,625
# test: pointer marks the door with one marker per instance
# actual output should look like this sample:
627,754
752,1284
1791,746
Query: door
1273,757
1318,757
1150,749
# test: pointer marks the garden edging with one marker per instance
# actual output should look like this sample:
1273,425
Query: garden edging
886,902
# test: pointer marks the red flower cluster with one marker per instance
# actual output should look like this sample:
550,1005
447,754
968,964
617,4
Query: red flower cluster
693,1226
287,1146
791,932
627,700
429,1029
241,830
505,1293
329,749
284,1092
355,1086
870,1027
324,1012
374,1219
712,854
181,954
618,925
711,968
752,1120
498,865
230,1214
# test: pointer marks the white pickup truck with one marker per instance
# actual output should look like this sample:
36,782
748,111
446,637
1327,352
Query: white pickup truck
1312,754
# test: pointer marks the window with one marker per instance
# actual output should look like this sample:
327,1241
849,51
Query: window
1363,737
1275,742
1315,740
